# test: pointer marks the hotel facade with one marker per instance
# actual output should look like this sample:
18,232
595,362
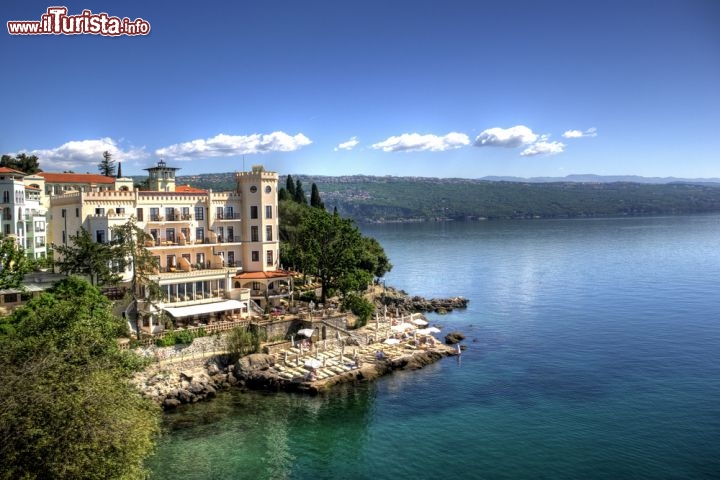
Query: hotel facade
217,253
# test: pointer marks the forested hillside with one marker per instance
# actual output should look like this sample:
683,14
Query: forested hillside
386,199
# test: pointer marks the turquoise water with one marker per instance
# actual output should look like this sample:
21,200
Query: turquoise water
593,350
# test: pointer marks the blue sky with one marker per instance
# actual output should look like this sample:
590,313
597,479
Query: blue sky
419,88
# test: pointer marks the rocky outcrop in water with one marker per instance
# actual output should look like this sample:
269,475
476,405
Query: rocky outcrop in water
406,304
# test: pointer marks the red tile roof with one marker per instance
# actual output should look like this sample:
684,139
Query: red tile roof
12,171
76,178
188,189
262,275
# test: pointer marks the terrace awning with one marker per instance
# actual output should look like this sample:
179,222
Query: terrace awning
202,308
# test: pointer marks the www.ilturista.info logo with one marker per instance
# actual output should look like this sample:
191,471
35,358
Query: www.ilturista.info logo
57,22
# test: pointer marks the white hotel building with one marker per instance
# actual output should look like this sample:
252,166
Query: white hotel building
217,251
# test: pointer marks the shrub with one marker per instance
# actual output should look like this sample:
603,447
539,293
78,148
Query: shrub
360,307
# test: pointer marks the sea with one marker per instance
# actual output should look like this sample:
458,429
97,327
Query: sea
592,352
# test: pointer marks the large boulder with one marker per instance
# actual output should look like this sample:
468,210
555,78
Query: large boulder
253,363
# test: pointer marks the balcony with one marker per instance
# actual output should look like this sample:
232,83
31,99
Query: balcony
227,216
228,239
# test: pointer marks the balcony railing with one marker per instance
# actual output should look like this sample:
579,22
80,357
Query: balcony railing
227,216
228,239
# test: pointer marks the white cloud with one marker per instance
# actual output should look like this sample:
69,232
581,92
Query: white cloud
349,145
415,142
590,132
84,155
223,145
543,148
505,137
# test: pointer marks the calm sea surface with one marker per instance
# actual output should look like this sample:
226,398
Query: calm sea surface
593,353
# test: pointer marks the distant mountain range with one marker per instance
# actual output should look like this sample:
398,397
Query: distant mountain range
591,178
367,198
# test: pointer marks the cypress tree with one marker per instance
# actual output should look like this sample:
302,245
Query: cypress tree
290,186
315,200
300,193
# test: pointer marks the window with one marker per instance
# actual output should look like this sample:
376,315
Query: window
253,189
156,235
199,234
99,211
254,234
253,211
219,232
268,233
231,235
269,255
268,211
185,213
120,211
200,258
170,235
154,214
100,236
77,212
185,233
231,258
6,197
169,214
64,213
199,213
219,213
140,214
268,189
255,256
229,213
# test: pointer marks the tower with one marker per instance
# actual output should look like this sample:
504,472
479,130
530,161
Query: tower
162,177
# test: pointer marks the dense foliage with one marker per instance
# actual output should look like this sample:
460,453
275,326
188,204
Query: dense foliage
67,409
329,247
13,263
21,162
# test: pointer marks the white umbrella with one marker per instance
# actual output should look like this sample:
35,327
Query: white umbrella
420,322
306,332
402,327
391,341
433,329
313,363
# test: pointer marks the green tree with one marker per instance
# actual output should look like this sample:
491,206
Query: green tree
128,248
86,257
315,200
299,193
21,162
67,408
329,247
290,186
13,263
373,258
107,165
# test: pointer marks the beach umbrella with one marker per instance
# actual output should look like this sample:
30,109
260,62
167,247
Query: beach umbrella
433,330
420,322
391,341
313,363
306,332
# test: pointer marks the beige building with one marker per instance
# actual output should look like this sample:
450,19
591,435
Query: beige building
204,242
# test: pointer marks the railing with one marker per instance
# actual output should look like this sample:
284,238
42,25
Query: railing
227,216
228,239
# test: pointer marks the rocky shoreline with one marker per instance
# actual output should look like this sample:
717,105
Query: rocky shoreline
193,380
392,299
196,372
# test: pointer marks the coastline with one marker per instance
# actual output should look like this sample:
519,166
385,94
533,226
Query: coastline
196,372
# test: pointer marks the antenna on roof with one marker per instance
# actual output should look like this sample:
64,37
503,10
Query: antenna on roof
243,163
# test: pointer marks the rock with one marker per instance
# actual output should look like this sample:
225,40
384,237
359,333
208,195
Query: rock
252,363
454,337
171,403
213,369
